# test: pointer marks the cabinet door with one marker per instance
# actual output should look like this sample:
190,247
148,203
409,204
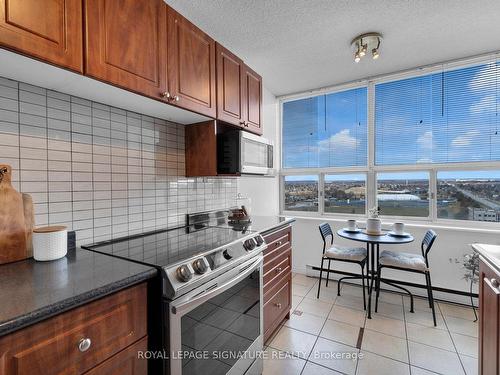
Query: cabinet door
489,307
126,44
126,362
54,346
191,66
49,30
230,75
253,101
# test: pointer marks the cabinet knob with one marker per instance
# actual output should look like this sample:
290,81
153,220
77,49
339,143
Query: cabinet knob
176,98
165,95
279,269
246,124
84,344
494,283
278,305
242,123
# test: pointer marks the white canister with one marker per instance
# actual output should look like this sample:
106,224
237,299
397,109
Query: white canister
50,243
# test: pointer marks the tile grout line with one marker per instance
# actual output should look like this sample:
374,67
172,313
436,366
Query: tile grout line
406,335
451,338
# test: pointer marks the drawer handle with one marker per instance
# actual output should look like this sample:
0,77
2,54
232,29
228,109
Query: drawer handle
278,305
84,345
494,283
278,243
279,269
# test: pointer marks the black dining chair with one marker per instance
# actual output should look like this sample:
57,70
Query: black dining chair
338,253
411,263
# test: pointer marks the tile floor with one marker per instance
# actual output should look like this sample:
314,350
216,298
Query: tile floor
394,342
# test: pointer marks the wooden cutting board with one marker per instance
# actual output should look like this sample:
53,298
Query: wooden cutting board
16,220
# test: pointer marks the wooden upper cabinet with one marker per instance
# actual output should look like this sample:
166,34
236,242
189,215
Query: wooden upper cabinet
252,101
230,91
191,66
49,30
126,44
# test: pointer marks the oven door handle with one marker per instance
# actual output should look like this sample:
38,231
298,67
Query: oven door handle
190,304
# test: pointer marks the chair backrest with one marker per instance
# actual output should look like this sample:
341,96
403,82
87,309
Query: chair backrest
427,242
325,230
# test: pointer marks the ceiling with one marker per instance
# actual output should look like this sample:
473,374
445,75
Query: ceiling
298,45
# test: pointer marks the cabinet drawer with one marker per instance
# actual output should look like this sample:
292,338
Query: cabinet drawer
278,239
125,362
272,259
277,307
277,268
54,346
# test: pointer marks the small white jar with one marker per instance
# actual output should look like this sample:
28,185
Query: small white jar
50,243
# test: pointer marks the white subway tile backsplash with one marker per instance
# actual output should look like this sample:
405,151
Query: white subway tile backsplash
102,171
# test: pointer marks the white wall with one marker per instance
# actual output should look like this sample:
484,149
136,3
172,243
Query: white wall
264,191
450,246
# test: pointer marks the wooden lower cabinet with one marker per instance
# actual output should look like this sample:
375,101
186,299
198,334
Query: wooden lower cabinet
489,318
125,362
277,279
77,341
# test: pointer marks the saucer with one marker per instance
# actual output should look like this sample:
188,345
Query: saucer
394,234
351,230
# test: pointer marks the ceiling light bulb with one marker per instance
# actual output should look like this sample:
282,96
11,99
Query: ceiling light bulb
363,51
357,58
375,54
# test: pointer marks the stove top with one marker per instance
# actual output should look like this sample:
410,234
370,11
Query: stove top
186,256
167,247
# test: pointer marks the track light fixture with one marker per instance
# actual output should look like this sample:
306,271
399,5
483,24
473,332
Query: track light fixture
366,42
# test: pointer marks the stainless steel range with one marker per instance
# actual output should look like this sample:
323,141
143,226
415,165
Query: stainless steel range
211,295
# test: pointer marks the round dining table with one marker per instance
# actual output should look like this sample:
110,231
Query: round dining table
373,243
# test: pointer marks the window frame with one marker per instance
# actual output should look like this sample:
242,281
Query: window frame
371,170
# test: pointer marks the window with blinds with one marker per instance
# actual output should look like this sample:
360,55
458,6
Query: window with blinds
445,117
326,131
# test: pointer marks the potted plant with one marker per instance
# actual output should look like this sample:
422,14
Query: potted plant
470,263
373,223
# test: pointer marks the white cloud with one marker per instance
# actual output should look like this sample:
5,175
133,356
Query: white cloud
465,139
425,140
486,104
341,140
484,75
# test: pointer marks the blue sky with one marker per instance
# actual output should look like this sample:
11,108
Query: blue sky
437,118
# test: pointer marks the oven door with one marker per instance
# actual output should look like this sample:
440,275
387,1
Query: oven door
219,330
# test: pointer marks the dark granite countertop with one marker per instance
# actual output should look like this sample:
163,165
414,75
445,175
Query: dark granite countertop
490,253
32,291
265,224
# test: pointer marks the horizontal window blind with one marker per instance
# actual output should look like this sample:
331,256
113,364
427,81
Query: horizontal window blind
326,131
445,117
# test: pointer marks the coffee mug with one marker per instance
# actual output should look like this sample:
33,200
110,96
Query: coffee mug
398,228
351,224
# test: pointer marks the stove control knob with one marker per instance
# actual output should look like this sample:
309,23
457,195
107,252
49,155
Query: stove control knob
199,266
259,240
184,273
249,244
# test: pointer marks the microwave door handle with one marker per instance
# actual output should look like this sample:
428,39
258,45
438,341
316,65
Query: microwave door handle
270,156
190,304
